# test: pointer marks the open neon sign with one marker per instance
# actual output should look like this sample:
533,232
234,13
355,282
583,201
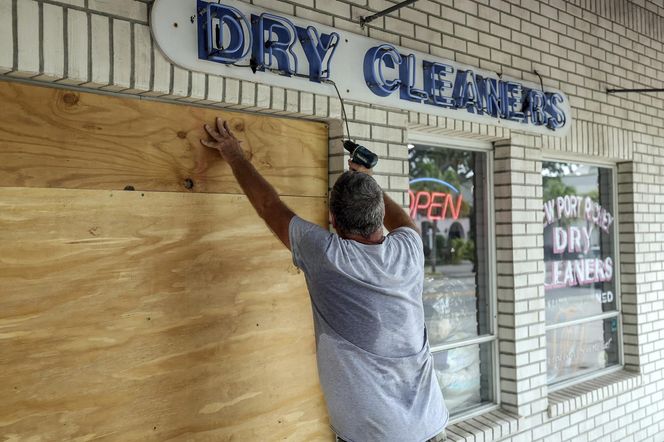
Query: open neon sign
435,204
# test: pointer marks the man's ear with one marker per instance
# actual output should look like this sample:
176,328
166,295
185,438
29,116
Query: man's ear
333,222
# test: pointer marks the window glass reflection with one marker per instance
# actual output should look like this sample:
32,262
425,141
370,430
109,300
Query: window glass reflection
580,269
578,241
448,203
577,349
464,375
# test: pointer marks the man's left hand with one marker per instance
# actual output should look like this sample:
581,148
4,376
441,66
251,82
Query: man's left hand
359,168
223,140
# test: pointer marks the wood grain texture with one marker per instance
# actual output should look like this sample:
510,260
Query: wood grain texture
64,139
152,316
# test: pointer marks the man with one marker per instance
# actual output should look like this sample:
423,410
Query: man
372,350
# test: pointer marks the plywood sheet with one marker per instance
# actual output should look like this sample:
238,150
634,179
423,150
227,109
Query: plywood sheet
152,316
65,139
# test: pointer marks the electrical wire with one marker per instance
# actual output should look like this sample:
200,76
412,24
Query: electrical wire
343,108
295,74
540,79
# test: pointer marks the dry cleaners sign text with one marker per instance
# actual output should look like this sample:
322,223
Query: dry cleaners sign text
576,240
238,40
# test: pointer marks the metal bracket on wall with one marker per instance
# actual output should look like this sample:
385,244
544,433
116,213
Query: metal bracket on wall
624,91
365,20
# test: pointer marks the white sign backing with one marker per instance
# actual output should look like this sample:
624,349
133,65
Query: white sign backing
238,40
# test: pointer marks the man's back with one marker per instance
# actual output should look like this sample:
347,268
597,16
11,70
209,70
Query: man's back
373,355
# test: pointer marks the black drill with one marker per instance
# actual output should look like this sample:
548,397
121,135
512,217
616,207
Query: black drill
360,154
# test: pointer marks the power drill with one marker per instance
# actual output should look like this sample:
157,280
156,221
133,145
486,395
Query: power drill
360,154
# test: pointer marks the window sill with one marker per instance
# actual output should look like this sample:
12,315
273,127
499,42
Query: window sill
491,425
575,397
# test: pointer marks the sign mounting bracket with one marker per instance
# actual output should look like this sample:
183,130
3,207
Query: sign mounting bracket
365,20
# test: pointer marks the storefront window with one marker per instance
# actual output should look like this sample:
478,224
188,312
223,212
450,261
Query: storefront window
448,202
582,302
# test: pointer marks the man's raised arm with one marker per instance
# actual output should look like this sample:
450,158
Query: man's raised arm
260,193
395,216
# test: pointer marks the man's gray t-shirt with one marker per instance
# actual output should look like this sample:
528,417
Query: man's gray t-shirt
373,355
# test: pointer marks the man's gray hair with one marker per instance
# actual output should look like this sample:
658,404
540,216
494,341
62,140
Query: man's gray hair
356,202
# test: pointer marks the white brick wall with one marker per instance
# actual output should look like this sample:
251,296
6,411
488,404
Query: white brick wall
6,36
131,9
579,46
122,63
27,12
101,52
77,47
142,57
54,51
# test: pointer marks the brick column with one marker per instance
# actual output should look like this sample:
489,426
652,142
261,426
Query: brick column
640,186
628,276
520,270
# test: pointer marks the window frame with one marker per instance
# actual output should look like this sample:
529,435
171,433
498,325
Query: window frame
487,148
588,375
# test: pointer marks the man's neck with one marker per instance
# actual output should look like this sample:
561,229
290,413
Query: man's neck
375,238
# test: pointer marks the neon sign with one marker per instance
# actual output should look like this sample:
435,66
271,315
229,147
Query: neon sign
449,87
576,240
226,36
435,204
236,39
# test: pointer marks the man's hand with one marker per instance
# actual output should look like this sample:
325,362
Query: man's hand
223,141
359,168
260,193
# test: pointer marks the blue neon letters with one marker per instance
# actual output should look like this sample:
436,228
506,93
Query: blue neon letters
226,36
212,45
447,87
319,50
273,39
435,82
374,60
268,42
